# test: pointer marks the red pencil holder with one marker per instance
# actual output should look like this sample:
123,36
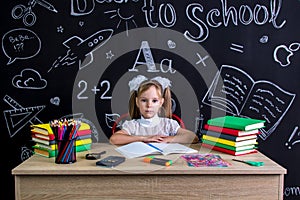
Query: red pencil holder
66,151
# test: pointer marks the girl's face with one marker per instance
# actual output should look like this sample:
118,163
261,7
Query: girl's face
149,102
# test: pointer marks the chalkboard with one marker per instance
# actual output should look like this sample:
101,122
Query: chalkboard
75,58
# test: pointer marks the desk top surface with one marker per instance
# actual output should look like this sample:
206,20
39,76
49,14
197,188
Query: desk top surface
38,165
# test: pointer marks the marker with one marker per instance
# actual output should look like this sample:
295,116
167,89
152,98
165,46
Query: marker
252,163
157,161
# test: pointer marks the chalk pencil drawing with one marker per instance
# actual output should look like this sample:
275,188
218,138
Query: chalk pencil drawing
29,17
234,91
29,79
81,50
19,116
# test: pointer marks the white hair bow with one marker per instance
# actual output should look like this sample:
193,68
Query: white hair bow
135,83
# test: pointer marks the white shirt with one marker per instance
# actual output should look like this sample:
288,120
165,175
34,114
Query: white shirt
154,126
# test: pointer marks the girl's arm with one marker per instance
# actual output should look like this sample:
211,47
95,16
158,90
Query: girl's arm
122,137
182,136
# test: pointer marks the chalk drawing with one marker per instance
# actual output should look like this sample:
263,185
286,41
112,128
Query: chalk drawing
122,19
29,79
294,138
29,17
282,54
20,44
234,91
81,51
19,116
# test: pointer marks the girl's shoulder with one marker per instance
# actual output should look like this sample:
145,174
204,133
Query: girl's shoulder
168,120
130,122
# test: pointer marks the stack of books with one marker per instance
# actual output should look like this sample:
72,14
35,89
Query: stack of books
232,135
45,145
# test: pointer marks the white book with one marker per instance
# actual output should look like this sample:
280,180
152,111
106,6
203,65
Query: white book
139,149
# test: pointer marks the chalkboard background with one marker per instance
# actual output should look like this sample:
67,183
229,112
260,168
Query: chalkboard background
75,58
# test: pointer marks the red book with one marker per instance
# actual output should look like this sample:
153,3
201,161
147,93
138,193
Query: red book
84,132
42,136
230,131
231,152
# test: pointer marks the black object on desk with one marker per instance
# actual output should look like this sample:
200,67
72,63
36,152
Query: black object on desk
94,156
110,161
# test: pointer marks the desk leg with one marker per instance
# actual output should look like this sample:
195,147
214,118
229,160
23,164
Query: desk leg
280,186
17,188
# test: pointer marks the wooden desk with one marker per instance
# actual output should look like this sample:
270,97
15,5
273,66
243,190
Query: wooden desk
41,178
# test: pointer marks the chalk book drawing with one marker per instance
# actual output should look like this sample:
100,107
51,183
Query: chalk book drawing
234,91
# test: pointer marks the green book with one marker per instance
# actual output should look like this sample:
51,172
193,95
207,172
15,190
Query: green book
239,123
38,149
240,148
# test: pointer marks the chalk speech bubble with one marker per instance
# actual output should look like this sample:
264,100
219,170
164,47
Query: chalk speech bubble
20,44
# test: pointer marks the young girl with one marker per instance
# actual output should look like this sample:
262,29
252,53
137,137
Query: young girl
151,114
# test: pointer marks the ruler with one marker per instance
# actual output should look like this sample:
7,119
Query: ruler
17,118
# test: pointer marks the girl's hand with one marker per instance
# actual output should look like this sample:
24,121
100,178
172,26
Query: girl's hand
154,138
167,139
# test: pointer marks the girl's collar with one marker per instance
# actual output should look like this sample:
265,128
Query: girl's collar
149,122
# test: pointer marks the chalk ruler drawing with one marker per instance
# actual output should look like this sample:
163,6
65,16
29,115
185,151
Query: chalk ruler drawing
19,116
82,50
234,91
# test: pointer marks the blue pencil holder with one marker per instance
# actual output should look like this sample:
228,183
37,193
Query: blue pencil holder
66,151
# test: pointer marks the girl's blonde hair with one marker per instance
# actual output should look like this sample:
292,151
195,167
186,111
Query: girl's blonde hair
166,109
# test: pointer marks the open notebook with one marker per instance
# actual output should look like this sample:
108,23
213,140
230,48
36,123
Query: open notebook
138,149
